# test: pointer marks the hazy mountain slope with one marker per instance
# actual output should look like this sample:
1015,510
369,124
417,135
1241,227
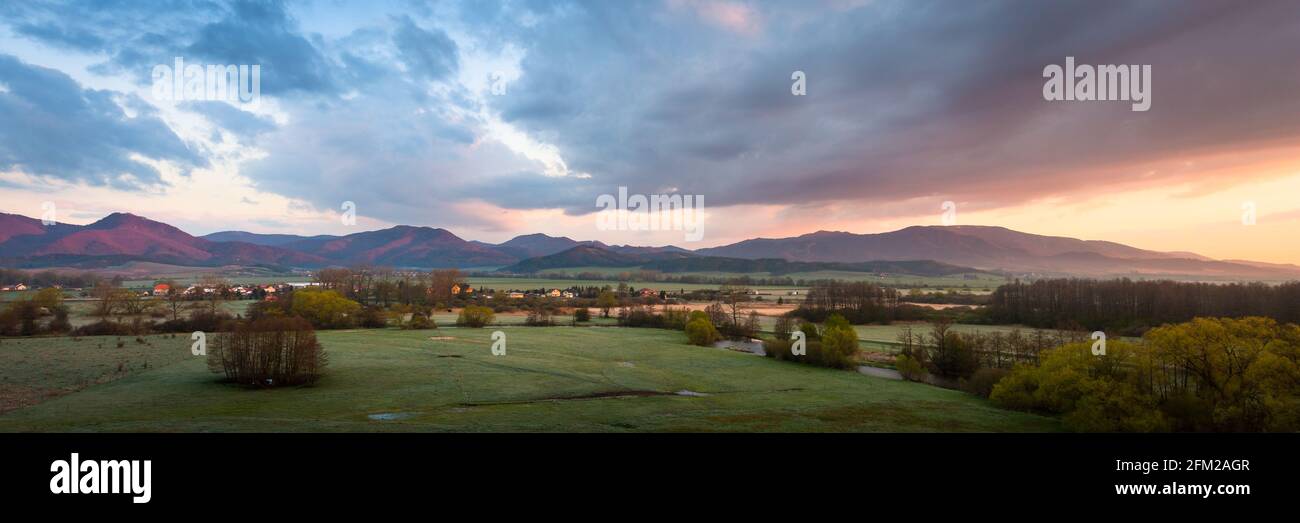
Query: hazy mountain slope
271,240
995,248
534,245
587,256
404,246
779,267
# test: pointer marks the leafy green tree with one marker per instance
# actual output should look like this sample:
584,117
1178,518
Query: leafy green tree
325,309
839,343
1233,374
700,331
606,300
1094,393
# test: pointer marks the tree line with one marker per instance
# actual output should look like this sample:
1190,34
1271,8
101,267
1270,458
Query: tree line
1130,307
50,278
858,302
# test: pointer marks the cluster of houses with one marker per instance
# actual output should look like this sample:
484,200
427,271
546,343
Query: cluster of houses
18,287
552,293
269,291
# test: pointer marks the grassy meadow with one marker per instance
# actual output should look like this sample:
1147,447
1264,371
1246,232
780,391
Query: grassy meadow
981,283
551,379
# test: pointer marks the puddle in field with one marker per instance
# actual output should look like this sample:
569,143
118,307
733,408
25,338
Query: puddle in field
750,346
389,416
442,338
627,364
878,372
691,393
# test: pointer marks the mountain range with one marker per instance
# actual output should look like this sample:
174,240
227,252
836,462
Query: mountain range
122,237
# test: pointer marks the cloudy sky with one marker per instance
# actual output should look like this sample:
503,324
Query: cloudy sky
497,118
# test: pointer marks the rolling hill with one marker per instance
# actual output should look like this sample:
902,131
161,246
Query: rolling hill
590,256
669,261
270,240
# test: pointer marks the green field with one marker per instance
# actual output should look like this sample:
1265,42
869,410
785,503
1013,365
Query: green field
981,283
551,379
560,283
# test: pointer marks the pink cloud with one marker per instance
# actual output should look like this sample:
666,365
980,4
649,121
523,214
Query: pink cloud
732,16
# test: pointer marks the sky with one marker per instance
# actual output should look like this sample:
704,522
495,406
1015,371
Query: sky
498,118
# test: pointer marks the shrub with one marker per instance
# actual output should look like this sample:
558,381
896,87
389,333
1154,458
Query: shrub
810,331
910,368
581,314
539,316
268,353
981,383
420,321
778,349
675,318
700,331
104,328
475,316
373,318
60,322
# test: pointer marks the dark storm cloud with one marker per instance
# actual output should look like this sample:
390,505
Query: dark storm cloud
51,126
139,35
906,99
429,54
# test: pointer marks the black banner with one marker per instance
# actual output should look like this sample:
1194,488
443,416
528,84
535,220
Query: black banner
936,471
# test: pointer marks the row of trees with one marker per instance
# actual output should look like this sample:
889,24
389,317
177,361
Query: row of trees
857,302
950,354
50,278
385,287
1130,307
42,313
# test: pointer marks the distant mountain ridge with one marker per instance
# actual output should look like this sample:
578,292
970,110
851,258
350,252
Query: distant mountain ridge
120,237
129,237
995,249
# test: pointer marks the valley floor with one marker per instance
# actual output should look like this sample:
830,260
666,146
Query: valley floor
553,379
